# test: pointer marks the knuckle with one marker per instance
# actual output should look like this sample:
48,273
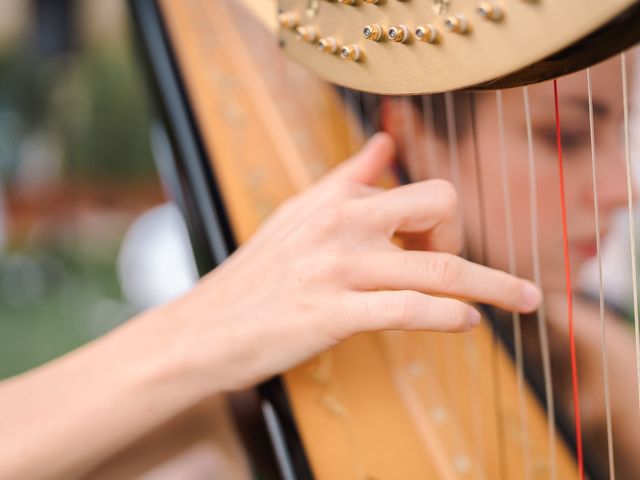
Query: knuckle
330,218
342,189
350,189
445,270
404,307
334,264
329,267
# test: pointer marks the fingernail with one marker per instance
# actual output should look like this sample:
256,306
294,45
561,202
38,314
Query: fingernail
531,296
474,317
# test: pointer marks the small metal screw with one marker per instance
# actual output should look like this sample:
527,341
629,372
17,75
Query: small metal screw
487,10
350,52
427,33
399,33
372,32
456,24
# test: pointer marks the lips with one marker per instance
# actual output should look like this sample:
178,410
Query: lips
585,245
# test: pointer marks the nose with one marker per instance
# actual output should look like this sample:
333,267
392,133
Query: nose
612,180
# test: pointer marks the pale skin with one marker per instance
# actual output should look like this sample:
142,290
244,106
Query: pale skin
323,268
612,196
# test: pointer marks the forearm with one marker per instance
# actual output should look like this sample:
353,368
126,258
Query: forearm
323,268
59,420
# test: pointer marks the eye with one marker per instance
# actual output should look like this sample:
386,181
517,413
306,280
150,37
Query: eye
572,139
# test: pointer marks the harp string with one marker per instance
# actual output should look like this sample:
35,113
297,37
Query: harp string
470,341
411,145
605,362
434,397
515,316
452,139
567,268
537,277
634,271
484,257
431,155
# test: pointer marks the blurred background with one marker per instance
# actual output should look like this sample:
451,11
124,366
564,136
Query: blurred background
87,237
76,174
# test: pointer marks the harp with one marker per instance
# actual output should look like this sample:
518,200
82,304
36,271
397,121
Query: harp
259,102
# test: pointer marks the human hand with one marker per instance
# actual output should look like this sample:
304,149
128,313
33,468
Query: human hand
324,267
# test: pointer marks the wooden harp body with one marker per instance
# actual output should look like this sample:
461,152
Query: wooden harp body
249,126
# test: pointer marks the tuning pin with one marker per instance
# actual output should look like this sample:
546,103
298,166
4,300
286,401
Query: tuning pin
306,34
370,1
347,2
372,32
288,20
456,24
427,33
488,10
328,44
399,33
350,52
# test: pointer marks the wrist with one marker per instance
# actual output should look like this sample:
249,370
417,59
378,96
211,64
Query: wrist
190,344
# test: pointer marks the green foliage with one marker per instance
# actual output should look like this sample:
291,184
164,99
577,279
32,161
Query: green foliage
53,295
52,302
94,102
106,131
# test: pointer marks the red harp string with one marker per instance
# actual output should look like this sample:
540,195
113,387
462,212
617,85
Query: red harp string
567,270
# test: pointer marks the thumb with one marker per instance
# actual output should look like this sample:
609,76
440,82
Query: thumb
370,163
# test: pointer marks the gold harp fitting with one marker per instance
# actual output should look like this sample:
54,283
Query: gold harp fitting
427,33
456,24
488,10
350,52
328,44
288,20
399,33
373,32
306,34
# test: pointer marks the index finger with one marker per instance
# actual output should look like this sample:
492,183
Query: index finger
369,164
429,207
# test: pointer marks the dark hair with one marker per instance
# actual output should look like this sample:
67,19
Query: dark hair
432,108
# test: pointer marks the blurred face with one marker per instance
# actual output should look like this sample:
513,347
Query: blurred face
481,179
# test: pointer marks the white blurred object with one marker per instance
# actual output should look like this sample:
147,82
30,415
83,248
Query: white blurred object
155,263
616,249
616,266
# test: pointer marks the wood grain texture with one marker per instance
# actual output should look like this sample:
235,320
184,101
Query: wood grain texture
379,406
